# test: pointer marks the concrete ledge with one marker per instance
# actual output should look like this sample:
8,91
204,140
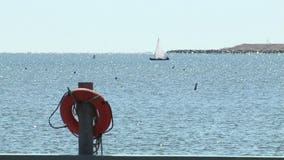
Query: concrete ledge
75,157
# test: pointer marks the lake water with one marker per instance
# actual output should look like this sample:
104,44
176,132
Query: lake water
237,109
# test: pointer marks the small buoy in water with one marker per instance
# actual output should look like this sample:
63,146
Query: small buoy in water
26,68
195,86
115,78
74,72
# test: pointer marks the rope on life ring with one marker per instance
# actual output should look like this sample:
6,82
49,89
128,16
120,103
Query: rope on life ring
103,111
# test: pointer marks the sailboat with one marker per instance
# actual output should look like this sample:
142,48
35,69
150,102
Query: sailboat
159,54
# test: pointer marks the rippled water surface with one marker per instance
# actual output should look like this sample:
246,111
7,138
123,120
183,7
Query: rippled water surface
237,109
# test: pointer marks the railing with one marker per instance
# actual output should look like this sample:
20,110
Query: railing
88,157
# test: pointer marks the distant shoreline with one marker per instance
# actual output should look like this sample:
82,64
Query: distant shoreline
242,48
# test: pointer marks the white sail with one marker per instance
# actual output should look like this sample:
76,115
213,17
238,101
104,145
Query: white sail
159,53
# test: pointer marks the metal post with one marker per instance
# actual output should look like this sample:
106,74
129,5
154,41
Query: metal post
86,114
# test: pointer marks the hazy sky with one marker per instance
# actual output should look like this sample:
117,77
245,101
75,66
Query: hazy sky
135,25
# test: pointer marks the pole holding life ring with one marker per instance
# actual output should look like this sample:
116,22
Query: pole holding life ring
87,115
94,115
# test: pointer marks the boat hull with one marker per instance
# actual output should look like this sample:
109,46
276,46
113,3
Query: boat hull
159,58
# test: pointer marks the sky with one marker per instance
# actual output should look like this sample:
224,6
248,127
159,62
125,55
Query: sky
128,26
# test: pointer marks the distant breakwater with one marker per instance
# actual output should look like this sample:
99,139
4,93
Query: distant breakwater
220,51
242,48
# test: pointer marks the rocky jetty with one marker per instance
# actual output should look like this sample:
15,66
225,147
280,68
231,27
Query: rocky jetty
242,48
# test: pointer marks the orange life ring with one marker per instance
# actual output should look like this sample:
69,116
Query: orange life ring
104,115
